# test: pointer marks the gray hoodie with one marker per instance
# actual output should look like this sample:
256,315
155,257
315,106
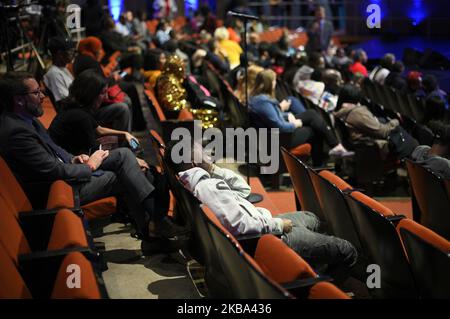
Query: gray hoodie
438,164
224,192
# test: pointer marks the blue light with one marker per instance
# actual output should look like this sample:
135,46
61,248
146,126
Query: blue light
417,12
115,7
190,6
383,8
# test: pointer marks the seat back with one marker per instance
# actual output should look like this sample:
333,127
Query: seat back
417,107
279,262
328,188
11,189
429,257
11,235
88,288
382,246
12,285
245,277
303,187
326,290
432,198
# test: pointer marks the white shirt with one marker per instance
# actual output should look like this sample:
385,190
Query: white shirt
58,80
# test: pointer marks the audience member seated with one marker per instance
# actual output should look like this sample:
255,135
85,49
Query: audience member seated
431,88
162,34
289,116
414,84
58,80
252,72
90,52
74,128
34,157
364,124
380,72
436,157
232,49
225,193
333,82
359,59
154,61
395,79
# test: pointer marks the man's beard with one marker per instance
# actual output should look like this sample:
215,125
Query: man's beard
34,109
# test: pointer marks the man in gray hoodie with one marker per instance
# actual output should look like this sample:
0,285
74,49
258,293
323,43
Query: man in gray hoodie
225,193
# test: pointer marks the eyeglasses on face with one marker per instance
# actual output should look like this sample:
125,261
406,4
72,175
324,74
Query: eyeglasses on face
37,92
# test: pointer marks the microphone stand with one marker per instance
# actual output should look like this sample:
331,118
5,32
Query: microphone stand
253,197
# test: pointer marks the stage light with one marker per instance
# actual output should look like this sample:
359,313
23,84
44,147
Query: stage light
417,12
115,7
190,6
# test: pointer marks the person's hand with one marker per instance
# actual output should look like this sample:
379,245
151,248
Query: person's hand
80,159
298,123
96,159
287,226
116,76
285,105
130,137
142,164
291,118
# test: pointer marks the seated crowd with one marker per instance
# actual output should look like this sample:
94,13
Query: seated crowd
99,89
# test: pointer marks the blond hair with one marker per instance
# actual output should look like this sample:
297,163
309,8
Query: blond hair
221,34
264,83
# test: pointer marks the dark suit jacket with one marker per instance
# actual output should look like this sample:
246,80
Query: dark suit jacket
315,41
29,157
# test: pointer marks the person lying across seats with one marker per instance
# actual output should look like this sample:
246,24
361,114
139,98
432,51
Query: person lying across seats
34,157
365,125
437,156
225,193
289,115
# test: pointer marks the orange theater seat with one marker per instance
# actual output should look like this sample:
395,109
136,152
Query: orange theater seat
13,285
429,256
280,262
66,231
88,288
100,208
303,150
335,180
325,290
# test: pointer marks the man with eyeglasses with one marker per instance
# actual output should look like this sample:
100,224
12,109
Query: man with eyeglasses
34,157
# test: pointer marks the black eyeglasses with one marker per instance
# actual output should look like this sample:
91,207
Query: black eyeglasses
35,93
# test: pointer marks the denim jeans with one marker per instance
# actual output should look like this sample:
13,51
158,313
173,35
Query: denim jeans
316,248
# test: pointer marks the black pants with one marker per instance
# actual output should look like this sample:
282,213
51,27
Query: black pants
123,177
312,119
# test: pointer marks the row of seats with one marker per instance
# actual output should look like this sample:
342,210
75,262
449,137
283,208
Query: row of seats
38,247
381,236
243,267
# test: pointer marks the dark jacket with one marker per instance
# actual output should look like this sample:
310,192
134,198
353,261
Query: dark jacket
30,158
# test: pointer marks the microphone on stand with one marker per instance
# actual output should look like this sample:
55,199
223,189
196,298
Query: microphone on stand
241,15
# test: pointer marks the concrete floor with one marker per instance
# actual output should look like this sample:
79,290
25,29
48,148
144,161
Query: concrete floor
133,276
